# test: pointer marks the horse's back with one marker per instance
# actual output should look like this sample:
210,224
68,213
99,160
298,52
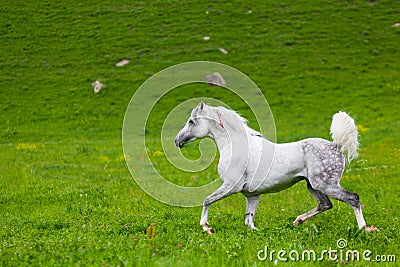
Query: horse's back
274,167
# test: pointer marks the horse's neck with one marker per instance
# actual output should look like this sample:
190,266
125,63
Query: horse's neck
227,139
221,138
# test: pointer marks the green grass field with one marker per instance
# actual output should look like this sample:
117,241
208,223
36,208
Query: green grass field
66,195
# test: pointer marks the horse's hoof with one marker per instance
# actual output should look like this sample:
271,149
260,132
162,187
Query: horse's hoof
210,231
297,222
252,227
371,228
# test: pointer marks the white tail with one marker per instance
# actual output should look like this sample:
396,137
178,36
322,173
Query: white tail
344,133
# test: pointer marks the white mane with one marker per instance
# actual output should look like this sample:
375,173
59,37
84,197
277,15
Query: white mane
233,119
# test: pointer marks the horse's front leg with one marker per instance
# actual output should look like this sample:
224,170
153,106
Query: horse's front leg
222,192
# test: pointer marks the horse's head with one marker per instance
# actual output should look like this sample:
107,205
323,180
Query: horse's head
197,126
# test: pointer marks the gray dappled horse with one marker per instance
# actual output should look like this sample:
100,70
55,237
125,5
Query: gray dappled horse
252,165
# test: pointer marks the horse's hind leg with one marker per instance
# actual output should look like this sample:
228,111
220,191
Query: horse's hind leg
350,198
251,208
323,204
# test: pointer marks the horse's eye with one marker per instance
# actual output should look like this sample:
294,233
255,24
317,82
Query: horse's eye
191,122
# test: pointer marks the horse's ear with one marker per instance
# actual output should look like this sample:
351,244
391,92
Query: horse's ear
201,105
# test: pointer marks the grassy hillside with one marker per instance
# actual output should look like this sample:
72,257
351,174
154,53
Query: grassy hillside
67,197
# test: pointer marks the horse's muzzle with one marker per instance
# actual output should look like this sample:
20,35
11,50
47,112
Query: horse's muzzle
178,142
182,139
